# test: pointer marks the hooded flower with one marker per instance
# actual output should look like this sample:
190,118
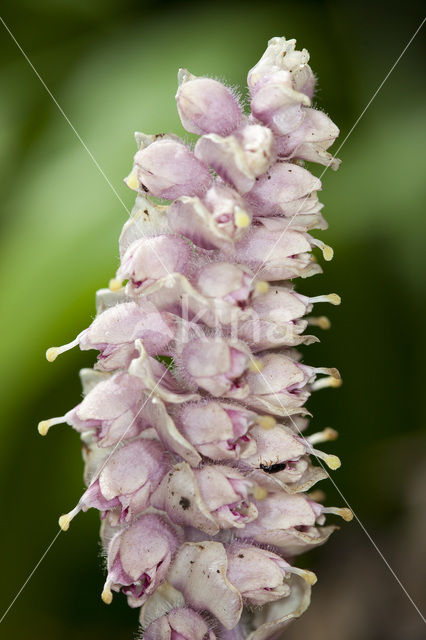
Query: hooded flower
113,334
193,422
260,575
111,410
218,430
210,498
148,259
139,558
289,522
217,365
282,385
125,482
215,221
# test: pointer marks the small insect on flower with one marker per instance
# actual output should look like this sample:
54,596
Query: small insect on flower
193,416
273,468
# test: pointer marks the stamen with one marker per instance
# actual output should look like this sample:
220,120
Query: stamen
322,322
132,180
241,217
332,462
256,365
343,512
54,352
323,383
262,286
331,371
323,436
44,426
333,298
266,422
308,576
327,251
317,495
259,493
106,593
115,284
64,521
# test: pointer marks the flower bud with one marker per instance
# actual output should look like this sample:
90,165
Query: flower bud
240,158
310,140
168,169
281,54
206,105
277,104
275,192
179,624
148,259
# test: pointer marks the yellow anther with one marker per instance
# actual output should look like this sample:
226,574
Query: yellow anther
327,252
324,322
43,427
266,422
256,365
333,462
241,217
115,284
317,495
52,354
107,595
259,493
326,382
310,577
321,321
346,514
132,180
343,512
262,286
330,434
64,522
334,298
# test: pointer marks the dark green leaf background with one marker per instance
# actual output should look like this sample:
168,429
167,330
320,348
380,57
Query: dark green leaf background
112,67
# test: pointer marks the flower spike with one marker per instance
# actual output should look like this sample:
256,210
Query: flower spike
193,417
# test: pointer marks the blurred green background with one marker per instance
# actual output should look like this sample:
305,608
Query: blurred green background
112,64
